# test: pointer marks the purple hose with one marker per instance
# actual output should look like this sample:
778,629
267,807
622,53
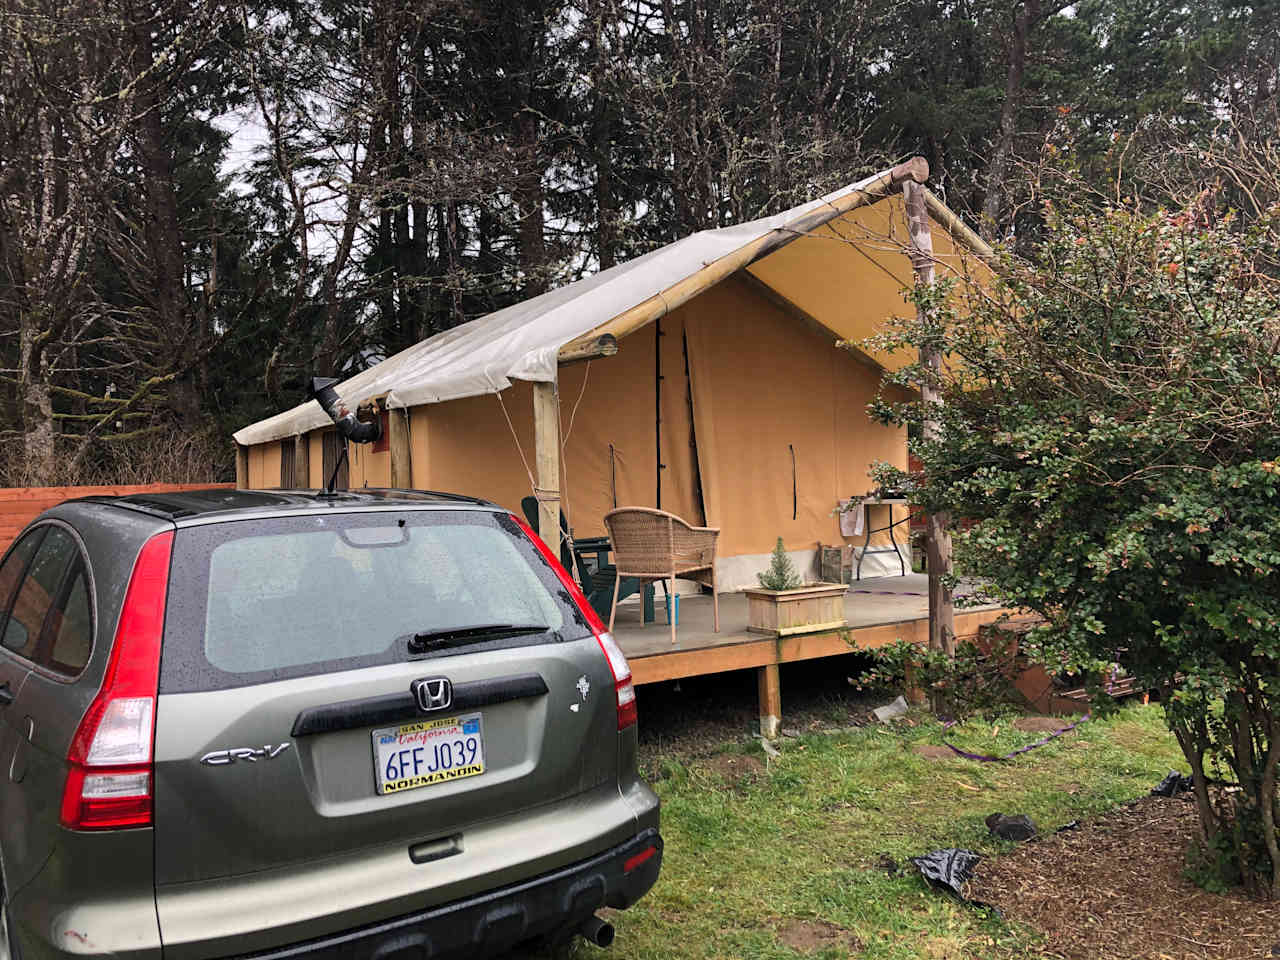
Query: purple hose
984,758
1009,756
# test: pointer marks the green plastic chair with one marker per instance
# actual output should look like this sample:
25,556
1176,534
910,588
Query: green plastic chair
597,585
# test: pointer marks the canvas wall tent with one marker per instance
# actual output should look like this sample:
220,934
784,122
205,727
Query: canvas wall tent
726,401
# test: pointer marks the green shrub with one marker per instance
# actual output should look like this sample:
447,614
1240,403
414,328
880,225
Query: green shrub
1109,430
977,681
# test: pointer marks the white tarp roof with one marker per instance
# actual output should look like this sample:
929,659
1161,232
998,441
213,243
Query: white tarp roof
522,342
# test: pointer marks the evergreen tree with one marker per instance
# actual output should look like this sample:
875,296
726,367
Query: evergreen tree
781,574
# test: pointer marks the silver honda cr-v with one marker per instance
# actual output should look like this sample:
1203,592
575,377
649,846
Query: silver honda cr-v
382,724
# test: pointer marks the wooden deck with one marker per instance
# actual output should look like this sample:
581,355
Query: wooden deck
878,612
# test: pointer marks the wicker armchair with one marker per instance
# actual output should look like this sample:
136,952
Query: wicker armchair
653,545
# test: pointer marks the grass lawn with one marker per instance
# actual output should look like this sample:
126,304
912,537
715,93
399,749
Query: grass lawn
752,858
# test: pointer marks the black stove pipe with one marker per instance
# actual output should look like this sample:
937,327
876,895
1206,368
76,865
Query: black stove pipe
321,390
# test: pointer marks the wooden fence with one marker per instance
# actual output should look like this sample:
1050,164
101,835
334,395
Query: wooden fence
20,505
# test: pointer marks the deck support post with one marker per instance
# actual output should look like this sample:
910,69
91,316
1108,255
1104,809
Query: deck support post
242,467
942,616
770,692
546,441
301,462
398,442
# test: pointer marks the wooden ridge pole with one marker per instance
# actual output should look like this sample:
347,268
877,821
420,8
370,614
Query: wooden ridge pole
871,190
946,218
942,615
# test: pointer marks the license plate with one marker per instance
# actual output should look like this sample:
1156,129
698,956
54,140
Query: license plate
427,752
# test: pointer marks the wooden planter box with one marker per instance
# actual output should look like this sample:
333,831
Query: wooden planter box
817,606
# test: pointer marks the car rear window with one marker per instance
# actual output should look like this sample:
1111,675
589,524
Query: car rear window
252,601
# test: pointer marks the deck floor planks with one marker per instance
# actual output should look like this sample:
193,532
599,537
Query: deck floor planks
878,612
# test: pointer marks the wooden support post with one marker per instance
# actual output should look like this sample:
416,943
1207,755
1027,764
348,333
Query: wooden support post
770,691
546,441
942,616
301,462
398,441
242,467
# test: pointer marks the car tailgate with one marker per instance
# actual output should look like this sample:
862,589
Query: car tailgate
264,776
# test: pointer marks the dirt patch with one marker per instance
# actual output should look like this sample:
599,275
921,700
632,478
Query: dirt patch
1043,724
1113,888
806,936
933,752
945,948
735,767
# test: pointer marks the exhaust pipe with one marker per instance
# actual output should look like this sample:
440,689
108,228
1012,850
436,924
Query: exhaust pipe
321,390
597,931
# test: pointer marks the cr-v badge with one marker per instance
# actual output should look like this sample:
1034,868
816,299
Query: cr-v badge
252,754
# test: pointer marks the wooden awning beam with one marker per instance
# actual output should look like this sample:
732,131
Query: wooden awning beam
592,348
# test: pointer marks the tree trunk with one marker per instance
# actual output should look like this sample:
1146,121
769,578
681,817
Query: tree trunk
39,454
998,168
1193,747
420,252
396,167
606,207
447,229
419,248
386,295
606,202
529,199
163,231
329,356
1267,804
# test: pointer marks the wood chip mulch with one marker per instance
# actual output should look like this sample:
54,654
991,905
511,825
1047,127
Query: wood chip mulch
1114,888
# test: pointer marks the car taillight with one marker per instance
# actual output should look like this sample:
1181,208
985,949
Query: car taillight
109,777
624,690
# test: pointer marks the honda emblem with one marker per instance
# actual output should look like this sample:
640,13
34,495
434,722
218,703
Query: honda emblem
435,693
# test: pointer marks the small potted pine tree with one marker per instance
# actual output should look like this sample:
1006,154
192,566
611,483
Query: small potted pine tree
783,604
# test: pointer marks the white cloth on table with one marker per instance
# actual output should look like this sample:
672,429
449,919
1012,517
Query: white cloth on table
851,518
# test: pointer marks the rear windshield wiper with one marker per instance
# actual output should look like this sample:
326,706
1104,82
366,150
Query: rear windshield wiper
461,636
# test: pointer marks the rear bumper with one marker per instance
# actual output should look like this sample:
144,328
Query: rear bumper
489,923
